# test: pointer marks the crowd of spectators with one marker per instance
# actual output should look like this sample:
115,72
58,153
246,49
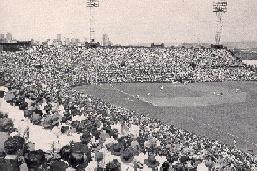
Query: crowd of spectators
40,82
77,65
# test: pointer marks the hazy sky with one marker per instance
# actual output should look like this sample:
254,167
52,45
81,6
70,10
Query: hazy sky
129,21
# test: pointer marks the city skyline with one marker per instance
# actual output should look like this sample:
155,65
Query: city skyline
128,22
6,38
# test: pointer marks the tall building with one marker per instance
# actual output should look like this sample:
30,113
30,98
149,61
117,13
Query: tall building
67,41
75,41
106,40
1,36
59,37
9,37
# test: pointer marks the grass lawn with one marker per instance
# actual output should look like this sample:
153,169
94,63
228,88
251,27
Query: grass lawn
197,107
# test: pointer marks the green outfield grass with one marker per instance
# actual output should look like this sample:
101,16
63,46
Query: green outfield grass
196,107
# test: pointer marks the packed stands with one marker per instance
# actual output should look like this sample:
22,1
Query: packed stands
40,83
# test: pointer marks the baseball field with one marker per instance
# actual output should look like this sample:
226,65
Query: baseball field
225,111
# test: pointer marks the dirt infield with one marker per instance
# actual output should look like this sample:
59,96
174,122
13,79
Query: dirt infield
181,95
223,111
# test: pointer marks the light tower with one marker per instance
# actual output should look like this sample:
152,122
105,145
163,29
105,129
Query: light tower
92,4
219,8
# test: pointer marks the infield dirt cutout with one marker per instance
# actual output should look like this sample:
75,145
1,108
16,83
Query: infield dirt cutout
200,95
210,95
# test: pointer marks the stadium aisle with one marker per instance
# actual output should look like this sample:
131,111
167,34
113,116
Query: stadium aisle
43,138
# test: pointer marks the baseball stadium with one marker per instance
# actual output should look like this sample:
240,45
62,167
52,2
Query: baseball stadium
104,107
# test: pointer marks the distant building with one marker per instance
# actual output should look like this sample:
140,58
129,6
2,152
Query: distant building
76,41
73,41
56,42
47,42
59,37
9,37
83,42
157,45
67,41
2,38
106,40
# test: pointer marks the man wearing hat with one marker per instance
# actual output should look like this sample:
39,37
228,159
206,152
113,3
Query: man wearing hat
127,155
113,166
125,141
116,149
80,154
85,137
165,166
152,162
58,166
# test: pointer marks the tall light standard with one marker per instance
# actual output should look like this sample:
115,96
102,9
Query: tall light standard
219,8
92,4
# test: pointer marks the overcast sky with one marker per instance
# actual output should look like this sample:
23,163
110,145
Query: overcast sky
128,21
